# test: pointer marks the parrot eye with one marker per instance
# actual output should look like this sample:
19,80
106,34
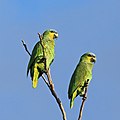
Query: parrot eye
52,31
89,55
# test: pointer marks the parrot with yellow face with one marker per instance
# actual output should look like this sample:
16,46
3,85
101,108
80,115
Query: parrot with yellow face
81,76
42,56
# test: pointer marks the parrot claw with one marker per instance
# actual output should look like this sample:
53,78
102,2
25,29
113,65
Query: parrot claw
86,83
84,97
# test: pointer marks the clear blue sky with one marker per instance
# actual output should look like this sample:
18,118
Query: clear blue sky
83,25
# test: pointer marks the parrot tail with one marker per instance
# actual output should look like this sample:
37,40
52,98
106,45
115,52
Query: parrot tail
71,103
35,78
73,96
34,83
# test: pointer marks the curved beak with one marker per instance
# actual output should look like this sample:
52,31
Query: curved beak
93,59
56,35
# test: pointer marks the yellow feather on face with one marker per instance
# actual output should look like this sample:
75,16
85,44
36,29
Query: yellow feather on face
51,35
88,59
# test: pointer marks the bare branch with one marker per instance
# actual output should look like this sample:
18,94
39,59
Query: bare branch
25,47
83,102
51,87
49,79
40,36
45,80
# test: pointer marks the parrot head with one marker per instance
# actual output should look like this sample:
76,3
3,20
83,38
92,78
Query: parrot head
88,58
52,34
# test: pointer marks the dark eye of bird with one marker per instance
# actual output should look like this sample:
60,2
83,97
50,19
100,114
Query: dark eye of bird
52,31
89,55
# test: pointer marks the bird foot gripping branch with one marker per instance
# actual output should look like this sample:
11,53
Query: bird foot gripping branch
84,97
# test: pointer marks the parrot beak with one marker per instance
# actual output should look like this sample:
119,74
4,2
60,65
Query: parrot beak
93,59
56,35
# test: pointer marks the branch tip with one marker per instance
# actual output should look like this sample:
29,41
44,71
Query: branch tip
40,36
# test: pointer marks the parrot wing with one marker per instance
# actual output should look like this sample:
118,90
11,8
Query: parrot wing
78,78
36,53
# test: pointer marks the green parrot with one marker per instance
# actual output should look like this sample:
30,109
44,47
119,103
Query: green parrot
81,76
42,56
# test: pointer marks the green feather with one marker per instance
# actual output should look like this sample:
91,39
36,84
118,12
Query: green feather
81,75
43,50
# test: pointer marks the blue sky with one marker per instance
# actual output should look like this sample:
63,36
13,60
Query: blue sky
83,26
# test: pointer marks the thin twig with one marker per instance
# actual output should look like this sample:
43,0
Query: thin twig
49,83
45,80
40,36
50,79
25,47
83,102
55,95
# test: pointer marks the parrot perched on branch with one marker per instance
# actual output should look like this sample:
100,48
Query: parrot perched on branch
42,56
81,76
